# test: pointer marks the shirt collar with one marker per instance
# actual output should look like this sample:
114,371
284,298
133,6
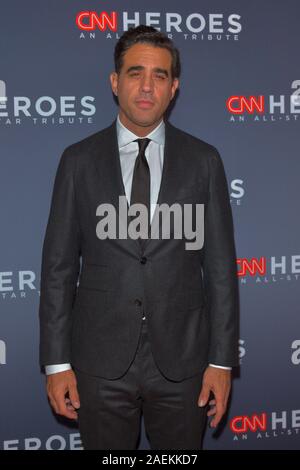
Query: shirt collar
125,136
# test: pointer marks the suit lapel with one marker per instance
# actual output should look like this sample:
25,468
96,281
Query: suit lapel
110,174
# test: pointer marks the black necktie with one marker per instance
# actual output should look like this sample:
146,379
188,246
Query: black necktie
140,190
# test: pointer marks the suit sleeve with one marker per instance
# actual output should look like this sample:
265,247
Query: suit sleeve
60,267
219,268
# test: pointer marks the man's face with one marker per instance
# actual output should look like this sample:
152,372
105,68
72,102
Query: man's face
144,87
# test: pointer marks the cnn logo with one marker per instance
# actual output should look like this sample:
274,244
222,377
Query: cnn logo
242,104
241,424
252,266
90,20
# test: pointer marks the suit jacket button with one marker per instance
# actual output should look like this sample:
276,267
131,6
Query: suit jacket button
143,260
138,302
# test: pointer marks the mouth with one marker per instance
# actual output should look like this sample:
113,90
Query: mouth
144,104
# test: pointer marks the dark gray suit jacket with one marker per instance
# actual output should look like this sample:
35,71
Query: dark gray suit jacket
190,298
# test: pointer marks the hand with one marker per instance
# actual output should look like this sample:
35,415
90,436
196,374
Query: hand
217,381
60,385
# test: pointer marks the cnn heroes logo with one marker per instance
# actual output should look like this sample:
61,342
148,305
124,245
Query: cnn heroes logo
195,26
17,284
265,425
45,110
265,108
263,270
55,442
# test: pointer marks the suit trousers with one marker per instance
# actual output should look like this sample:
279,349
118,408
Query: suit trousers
110,413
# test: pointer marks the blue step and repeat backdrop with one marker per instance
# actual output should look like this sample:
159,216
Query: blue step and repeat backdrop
240,91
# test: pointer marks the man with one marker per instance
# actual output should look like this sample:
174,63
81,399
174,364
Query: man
151,328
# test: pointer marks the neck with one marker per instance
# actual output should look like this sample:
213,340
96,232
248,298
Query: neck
135,128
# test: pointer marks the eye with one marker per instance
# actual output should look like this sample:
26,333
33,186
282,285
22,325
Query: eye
160,76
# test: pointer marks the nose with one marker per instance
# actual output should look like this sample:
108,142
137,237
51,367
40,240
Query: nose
146,83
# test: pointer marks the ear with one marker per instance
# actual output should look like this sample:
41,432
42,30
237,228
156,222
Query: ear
174,87
114,82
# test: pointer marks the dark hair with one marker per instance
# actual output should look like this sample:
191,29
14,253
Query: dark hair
149,35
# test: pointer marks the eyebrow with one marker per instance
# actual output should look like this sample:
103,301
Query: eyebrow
140,67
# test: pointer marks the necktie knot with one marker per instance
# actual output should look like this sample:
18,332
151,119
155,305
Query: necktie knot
142,144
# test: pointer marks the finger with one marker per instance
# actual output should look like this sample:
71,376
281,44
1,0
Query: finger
204,395
212,411
69,404
212,402
70,408
74,396
220,410
68,412
61,407
66,409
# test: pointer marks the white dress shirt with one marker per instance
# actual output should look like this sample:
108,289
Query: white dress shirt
128,151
